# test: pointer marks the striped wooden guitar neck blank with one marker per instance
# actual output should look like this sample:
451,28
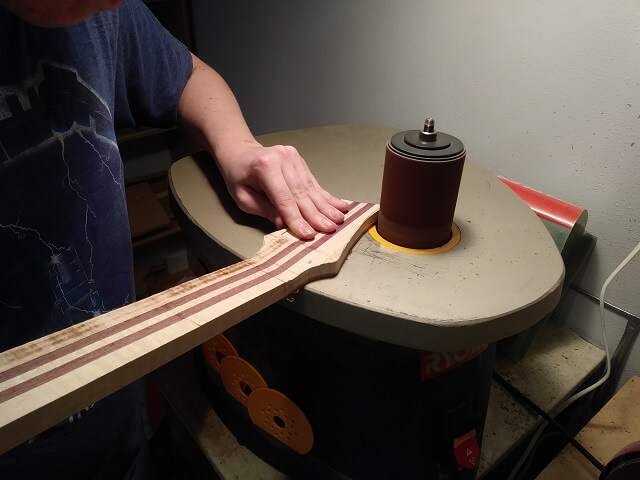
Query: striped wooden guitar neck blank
49,379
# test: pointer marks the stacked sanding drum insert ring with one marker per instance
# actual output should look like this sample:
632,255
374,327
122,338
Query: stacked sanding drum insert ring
420,183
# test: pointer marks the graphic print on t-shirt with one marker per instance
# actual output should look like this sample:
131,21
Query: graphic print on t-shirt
62,213
47,105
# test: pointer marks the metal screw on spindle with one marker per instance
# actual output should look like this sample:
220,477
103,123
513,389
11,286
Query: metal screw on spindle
428,132
429,125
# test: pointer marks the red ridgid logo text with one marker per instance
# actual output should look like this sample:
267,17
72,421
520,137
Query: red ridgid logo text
433,364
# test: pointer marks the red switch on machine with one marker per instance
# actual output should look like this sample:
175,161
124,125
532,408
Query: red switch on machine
467,450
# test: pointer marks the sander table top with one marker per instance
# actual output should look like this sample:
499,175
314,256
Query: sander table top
504,275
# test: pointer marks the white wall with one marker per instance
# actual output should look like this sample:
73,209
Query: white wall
546,93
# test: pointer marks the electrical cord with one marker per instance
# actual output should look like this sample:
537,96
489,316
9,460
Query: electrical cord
621,355
589,389
554,423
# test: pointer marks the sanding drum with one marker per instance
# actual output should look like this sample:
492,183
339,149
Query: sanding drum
421,179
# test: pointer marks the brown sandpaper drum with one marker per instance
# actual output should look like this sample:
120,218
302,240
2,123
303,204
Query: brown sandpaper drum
422,172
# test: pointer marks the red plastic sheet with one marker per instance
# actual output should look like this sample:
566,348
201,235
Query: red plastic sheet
545,206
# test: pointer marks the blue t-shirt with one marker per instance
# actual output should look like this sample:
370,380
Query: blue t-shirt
65,245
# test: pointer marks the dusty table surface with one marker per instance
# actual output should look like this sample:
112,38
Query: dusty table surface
559,360
504,275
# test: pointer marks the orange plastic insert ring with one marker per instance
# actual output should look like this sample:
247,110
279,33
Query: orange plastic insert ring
240,378
453,241
215,349
277,415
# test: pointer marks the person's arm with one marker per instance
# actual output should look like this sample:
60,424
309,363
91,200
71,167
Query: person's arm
274,182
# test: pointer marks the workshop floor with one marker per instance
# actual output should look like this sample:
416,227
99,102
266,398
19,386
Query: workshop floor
175,458
168,460
175,455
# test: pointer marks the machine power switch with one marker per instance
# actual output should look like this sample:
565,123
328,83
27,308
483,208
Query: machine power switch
467,450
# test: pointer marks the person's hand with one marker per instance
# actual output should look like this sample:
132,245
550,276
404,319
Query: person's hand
276,183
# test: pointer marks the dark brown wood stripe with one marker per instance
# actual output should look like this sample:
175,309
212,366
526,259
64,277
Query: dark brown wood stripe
124,341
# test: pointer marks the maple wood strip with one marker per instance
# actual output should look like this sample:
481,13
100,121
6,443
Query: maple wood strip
121,342
92,370
188,291
129,322
24,416
199,291
156,311
201,288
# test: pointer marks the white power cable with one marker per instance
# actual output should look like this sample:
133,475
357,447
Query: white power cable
589,389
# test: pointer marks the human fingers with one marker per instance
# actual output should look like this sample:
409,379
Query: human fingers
330,205
257,203
276,183
288,208
313,202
